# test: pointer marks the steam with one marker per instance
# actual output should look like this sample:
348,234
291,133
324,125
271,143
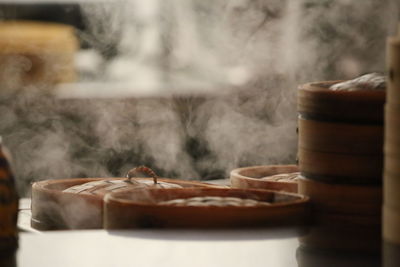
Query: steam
280,44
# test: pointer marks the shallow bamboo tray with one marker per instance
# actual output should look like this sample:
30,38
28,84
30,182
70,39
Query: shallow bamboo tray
136,209
346,199
53,209
316,101
256,177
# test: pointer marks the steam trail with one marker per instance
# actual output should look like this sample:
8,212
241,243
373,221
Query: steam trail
282,43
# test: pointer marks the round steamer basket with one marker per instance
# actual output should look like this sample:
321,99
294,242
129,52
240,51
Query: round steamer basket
345,199
53,209
393,67
341,168
392,165
256,177
391,254
391,222
340,134
392,147
391,187
142,209
392,130
317,102
345,138
340,219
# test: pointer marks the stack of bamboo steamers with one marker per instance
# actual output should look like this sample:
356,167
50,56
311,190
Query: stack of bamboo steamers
391,209
341,159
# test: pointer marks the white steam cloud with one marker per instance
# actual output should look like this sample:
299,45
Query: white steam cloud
281,43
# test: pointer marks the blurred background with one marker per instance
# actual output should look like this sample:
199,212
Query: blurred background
189,88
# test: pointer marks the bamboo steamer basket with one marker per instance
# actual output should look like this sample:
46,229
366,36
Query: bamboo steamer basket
344,232
341,168
393,67
392,130
391,222
343,138
391,254
257,177
340,134
392,140
391,188
344,199
392,165
317,102
53,209
340,219
137,209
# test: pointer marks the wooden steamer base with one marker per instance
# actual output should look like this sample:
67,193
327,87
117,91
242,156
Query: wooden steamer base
341,160
345,217
340,134
307,257
53,209
256,177
343,199
138,208
391,229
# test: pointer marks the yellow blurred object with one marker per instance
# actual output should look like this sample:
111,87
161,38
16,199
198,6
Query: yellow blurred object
36,53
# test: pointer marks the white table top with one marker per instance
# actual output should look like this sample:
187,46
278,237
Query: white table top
150,247
98,248
157,248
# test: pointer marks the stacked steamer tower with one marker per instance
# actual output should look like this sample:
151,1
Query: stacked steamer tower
341,160
391,208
